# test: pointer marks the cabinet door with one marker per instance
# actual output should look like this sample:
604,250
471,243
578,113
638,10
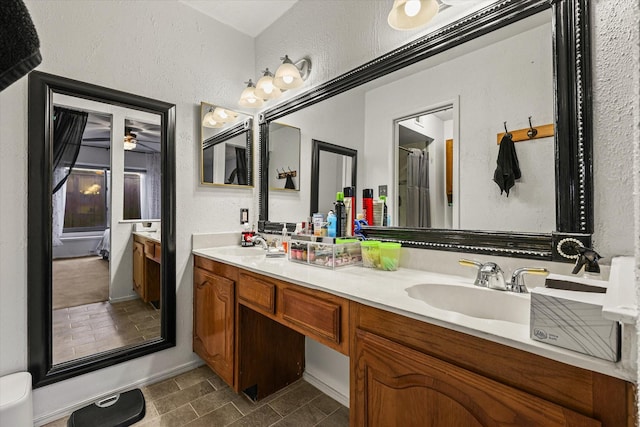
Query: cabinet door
138,269
398,386
213,331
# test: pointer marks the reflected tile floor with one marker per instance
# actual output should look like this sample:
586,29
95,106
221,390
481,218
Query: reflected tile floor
94,328
199,398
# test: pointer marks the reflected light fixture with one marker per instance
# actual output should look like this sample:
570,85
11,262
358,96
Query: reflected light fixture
225,116
249,98
265,88
130,141
290,75
209,120
412,14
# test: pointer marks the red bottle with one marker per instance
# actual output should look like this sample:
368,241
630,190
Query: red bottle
367,205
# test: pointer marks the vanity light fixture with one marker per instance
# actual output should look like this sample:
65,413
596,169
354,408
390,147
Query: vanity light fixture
223,115
412,14
130,141
265,88
290,75
249,98
210,121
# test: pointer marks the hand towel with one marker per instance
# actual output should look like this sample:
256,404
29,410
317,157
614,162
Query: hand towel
19,43
508,169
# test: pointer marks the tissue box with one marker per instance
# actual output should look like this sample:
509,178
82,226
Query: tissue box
574,320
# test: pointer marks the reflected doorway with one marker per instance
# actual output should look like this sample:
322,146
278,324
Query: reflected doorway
425,169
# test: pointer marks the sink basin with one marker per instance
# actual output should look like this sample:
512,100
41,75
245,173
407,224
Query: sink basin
242,251
474,301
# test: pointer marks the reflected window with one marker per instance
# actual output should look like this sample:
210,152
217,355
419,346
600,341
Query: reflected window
86,200
132,195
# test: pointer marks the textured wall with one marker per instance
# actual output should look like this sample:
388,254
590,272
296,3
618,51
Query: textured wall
163,50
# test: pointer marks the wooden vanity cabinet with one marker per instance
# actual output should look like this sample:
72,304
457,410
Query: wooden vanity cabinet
410,373
318,315
146,268
214,316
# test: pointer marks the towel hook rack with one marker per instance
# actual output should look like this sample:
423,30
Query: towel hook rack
532,132
507,133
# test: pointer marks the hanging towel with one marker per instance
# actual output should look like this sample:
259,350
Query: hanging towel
19,44
508,169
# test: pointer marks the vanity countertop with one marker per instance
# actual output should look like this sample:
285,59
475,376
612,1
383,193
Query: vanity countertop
387,290
150,235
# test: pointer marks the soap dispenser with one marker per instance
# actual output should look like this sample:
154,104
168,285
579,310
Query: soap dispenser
588,258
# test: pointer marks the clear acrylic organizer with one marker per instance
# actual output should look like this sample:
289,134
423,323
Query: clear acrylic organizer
325,252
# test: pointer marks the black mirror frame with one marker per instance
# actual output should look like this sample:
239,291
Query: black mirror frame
42,86
246,127
573,137
318,146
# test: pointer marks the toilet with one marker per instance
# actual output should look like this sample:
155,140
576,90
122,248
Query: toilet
16,407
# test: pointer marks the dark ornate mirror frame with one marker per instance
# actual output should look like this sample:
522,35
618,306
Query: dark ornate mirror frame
246,127
315,167
573,137
42,86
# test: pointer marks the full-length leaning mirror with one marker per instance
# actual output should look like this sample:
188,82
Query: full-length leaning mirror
543,47
227,146
101,233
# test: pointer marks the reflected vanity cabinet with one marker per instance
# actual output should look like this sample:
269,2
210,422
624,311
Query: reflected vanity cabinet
146,268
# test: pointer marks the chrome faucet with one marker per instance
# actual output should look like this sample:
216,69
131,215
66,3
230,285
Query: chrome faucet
517,278
258,240
491,276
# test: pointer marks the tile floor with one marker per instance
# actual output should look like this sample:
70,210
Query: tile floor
199,398
93,328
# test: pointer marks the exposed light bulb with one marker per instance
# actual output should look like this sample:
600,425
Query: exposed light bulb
267,88
412,7
223,114
287,79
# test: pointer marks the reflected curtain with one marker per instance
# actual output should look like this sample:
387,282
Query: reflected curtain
418,204
59,201
68,127
241,165
153,191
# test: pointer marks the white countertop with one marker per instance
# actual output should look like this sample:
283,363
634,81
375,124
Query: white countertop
151,235
387,290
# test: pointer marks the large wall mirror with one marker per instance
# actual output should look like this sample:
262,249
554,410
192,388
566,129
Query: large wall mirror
226,151
544,46
101,229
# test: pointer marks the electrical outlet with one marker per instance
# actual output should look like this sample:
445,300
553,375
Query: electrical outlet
244,215
382,190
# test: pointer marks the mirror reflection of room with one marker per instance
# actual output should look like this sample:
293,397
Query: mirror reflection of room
225,151
284,157
106,164
425,169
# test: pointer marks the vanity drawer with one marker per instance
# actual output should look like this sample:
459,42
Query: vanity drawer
257,293
224,270
313,315
153,250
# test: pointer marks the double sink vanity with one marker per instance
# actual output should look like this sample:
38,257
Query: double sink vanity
423,347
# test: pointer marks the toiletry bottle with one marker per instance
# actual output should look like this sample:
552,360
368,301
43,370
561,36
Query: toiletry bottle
341,215
367,204
285,242
349,205
385,218
332,223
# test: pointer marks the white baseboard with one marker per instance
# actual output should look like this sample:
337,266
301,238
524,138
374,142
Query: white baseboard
124,298
139,383
326,389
